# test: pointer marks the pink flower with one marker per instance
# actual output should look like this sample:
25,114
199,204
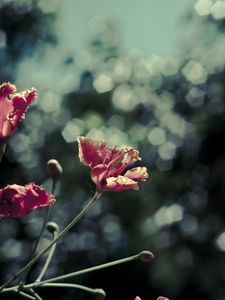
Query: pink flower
159,298
107,164
13,107
17,200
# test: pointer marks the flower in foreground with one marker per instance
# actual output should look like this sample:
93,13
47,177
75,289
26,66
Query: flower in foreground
17,200
107,165
159,298
13,107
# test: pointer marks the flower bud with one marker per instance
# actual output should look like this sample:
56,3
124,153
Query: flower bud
146,256
100,294
54,169
52,227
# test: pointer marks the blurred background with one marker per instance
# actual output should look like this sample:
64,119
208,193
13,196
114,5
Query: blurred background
148,75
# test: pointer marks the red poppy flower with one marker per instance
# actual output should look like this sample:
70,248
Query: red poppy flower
107,164
159,298
13,107
17,200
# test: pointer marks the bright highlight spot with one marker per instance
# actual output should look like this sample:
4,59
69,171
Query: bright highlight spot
103,83
202,7
167,150
72,129
157,136
195,72
168,215
218,10
220,241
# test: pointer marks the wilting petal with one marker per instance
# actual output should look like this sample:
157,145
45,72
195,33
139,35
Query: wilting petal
120,183
138,173
16,200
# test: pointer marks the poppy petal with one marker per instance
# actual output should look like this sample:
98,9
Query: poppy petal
138,173
120,183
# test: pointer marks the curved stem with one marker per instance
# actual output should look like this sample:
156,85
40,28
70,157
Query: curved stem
48,260
61,234
70,285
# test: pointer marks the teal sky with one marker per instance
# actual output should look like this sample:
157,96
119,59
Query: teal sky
149,25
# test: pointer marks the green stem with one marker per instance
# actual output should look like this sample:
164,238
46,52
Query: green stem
61,234
37,297
91,269
70,285
25,295
59,285
53,188
47,211
48,260
35,247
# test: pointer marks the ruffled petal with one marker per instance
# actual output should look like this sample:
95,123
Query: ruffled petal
17,200
132,155
120,183
93,153
138,173
6,89
127,156
89,151
107,165
13,107
21,102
